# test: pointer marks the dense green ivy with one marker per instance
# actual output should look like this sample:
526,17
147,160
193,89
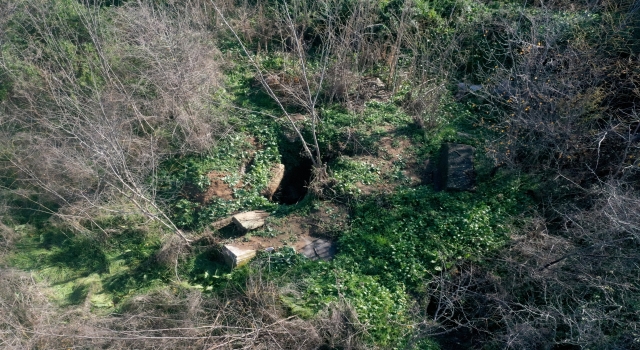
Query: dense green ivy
180,179
408,235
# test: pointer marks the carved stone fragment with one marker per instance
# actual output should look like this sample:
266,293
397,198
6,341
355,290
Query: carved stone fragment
275,176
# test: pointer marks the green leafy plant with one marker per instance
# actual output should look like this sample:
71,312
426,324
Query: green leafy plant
349,173
183,179
382,310
423,231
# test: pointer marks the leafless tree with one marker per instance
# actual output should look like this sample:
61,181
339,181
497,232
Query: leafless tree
304,93
87,135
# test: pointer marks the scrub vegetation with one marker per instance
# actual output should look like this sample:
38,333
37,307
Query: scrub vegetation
130,129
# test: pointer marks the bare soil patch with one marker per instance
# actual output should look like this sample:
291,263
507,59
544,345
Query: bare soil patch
217,188
295,231
394,152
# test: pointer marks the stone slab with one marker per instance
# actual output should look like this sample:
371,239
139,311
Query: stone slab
455,168
236,257
319,249
275,175
250,220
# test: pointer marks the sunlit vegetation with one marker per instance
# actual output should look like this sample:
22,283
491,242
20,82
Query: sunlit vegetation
129,130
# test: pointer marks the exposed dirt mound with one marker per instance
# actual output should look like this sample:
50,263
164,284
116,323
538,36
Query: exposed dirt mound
217,188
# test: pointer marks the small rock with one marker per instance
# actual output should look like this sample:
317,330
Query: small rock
374,84
378,83
236,257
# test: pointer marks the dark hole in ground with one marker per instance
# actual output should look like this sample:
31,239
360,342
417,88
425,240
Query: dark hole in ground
293,188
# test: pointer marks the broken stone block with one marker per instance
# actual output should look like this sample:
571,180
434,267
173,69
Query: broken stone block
236,257
319,249
276,175
250,220
455,168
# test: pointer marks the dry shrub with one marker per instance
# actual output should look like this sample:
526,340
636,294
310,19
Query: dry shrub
354,30
172,252
24,310
93,119
338,325
7,237
564,98
331,31
171,57
340,85
423,103
572,281
572,5
251,317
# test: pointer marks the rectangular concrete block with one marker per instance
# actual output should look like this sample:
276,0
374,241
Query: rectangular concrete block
236,257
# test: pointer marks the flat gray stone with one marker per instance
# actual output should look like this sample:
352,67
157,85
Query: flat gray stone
319,249
250,220
455,168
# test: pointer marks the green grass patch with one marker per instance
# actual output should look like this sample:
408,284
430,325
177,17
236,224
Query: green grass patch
82,268
404,237
349,174
182,179
344,132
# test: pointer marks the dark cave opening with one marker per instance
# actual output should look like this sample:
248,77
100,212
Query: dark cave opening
297,175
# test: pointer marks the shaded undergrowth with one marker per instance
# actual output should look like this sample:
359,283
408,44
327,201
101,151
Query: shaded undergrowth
81,268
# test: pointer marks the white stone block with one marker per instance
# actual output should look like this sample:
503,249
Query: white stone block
236,257
250,220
